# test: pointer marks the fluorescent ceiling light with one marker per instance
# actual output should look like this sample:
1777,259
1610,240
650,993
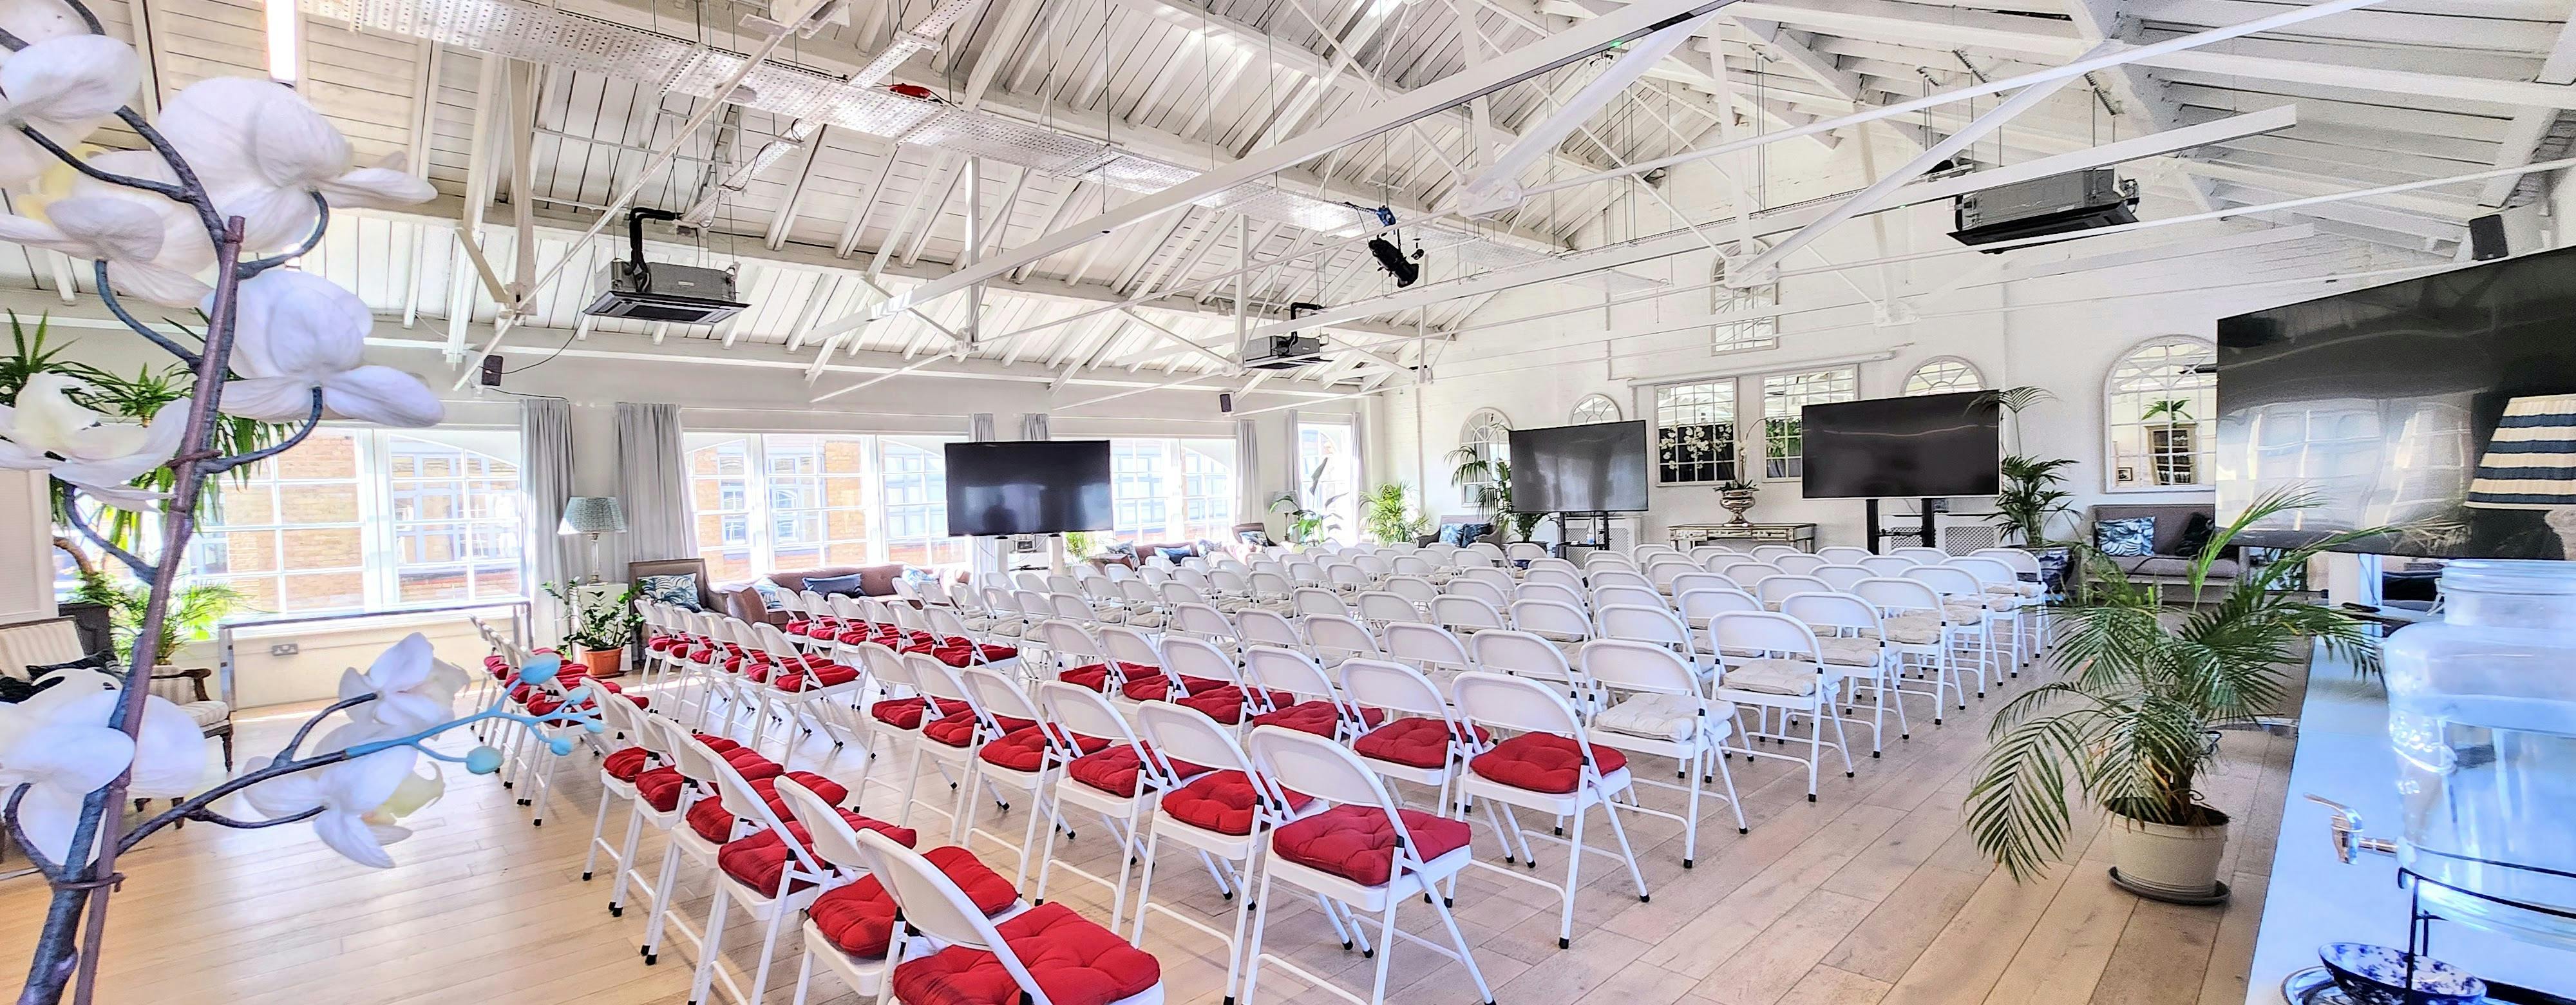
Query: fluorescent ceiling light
285,41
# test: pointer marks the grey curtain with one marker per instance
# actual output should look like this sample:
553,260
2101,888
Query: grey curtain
545,475
979,427
1248,504
653,479
1033,426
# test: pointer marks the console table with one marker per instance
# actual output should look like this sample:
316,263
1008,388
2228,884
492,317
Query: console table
1801,536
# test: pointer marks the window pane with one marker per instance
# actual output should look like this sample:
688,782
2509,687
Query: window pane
322,591
1784,396
1695,433
414,587
1943,376
2160,407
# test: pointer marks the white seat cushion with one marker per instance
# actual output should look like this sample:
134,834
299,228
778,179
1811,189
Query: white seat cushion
1849,652
208,713
1660,716
1145,619
1913,629
2014,589
1555,636
1789,677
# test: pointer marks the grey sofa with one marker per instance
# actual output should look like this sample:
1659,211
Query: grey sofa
1494,536
2169,560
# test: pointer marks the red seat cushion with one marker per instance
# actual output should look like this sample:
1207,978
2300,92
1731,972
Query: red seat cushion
750,765
1072,959
1147,687
1225,704
721,745
1202,685
1418,741
1096,676
715,823
660,787
959,730
760,860
1358,843
1542,762
625,764
1114,770
858,919
711,820
905,713
1221,801
797,626
815,676
1024,749
959,652
1317,717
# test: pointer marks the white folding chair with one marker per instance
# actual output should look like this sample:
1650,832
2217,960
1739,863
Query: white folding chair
1665,712
1530,771
1887,565
1119,783
1841,577
1465,614
1842,554
1041,939
1787,675
1626,595
1557,621
1477,589
1771,590
1798,564
1412,587
1380,607
1919,632
1964,603
2003,587
1429,648
1849,635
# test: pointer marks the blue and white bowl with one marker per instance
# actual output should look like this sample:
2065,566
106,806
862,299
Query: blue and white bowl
2376,975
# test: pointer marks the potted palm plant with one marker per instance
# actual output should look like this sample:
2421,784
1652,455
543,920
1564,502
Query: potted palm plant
1386,513
597,623
2134,718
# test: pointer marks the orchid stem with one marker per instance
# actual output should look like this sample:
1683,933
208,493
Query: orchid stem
71,512
107,295
313,421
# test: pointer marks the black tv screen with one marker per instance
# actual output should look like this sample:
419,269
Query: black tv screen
1924,447
2383,404
1596,468
1028,487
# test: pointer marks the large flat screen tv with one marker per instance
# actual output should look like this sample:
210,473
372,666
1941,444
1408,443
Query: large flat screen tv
1028,487
1596,468
1925,447
2384,405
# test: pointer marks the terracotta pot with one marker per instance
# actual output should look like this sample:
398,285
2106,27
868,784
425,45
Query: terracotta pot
2166,861
604,663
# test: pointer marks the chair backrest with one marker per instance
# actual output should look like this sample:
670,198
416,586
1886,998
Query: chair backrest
1430,647
1001,603
1555,617
1314,600
833,840
1066,639
1031,580
1320,767
1835,614
1620,577
1607,560
1115,571
1689,581
1500,579
1412,587
1771,589
1187,734
1557,593
1271,668
1946,581
1336,638
1138,593
1184,656
774,641
995,694
1476,558
1743,571
1768,552
1841,577
1768,632
1520,653
1888,565
1083,712
1267,583
1062,583
1519,704
1842,554
793,603
1989,571
2021,562
1922,555
1201,619
1306,572
1799,564
1623,665
1194,578
1346,574
1697,606
1479,590
1066,605
1129,645
1892,595
1386,608
1410,565
1566,577
1656,624
1229,580
1371,564
1459,610
1524,551
1552,562
1176,593
1622,594
1038,604
1256,626
1397,688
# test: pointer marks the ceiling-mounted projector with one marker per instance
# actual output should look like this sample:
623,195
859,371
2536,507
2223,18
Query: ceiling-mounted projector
1289,351
662,291
2059,204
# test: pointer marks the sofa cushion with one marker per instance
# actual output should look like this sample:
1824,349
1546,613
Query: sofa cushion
2125,536
854,584
679,590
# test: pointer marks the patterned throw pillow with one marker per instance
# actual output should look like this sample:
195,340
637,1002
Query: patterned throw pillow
2127,537
838,585
1255,538
772,595
39,677
680,590
1173,555
1453,533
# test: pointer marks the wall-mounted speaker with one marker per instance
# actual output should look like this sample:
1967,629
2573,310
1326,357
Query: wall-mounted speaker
1225,402
2517,231
492,371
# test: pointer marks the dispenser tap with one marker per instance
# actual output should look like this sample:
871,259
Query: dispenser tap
2347,836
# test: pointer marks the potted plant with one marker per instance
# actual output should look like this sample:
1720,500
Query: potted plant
1488,483
2134,717
1737,495
2030,499
1385,514
195,609
597,623
1305,526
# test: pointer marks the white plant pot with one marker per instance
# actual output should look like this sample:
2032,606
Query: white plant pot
2169,862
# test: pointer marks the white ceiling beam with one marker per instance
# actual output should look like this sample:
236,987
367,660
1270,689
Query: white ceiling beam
2531,125
867,203
1503,71
2428,229
2141,98
2413,203
784,219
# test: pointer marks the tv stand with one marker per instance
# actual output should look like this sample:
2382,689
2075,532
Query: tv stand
1877,535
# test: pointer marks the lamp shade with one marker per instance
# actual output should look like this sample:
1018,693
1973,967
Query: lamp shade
2531,462
593,515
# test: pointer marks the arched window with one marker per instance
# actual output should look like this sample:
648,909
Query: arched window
1595,408
1484,442
1943,375
2160,407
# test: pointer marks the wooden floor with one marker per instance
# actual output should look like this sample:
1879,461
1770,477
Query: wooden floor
1873,894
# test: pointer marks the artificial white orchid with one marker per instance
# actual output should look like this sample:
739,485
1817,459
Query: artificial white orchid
414,689
48,431
127,235
263,152
58,747
60,90
296,331
360,798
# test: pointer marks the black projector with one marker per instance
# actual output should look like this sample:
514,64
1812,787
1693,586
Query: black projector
2059,204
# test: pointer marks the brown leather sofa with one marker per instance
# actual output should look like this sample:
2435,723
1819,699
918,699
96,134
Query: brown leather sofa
741,601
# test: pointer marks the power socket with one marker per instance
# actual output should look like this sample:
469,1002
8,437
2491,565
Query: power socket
284,649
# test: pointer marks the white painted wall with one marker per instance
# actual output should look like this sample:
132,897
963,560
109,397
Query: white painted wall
2061,332
26,549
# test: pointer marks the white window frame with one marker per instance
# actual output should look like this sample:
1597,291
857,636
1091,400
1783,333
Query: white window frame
1943,375
1806,393
1749,335
760,518
2127,388
1594,408
1731,416
1172,488
1487,434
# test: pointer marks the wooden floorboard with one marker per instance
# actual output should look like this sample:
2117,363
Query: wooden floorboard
1872,894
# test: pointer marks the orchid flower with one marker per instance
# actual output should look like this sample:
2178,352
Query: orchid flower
263,152
48,431
414,689
64,84
57,746
125,234
360,798
297,331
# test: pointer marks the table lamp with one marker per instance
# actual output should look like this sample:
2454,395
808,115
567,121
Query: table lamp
593,516
2531,464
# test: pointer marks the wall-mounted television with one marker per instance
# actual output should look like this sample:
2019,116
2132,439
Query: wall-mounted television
2389,406
1924,447
1595,468
1028,487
